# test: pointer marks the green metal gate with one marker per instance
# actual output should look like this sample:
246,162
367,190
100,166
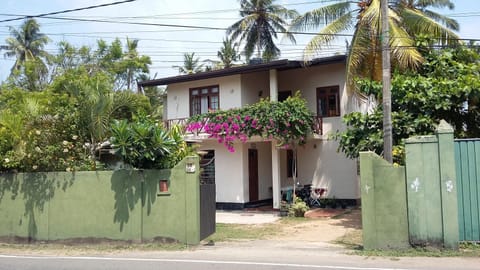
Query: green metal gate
467,159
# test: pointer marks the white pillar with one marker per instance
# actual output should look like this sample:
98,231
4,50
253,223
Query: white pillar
276,186
273,85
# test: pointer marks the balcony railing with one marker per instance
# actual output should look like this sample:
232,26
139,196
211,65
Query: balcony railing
178,121
317,126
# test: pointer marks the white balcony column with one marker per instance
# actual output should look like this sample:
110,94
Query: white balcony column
273,85
276,185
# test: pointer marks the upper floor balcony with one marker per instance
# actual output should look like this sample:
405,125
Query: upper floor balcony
317,126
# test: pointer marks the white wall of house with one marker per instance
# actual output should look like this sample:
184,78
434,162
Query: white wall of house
254,86
307,80
321,165
178,98
230,173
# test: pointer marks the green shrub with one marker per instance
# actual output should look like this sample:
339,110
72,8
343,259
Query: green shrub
144,144
298,208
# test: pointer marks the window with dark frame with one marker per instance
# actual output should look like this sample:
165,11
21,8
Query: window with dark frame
204,99
328,101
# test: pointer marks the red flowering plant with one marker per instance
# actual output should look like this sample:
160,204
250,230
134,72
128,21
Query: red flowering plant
288,122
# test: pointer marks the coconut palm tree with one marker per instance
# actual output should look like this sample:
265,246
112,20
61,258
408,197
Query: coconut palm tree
227,53
261,21
408,19
190,64
133,63
26,44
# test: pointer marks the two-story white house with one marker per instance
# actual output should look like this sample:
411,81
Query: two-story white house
258,170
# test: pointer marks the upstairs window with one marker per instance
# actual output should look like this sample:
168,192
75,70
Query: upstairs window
204,99
328,101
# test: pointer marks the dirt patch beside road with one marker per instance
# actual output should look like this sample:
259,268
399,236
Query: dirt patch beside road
322,229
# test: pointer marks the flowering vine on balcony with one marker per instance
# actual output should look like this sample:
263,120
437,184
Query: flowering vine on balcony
288,122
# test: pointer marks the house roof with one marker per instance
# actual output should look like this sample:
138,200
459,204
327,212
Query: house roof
283,64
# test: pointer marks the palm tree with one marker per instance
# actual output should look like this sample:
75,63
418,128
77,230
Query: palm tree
98,112
135,64
261,21
190,64
228,54
26,44
408,19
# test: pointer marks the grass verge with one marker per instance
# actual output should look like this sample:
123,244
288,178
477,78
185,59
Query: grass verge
87,248
353,242
231,232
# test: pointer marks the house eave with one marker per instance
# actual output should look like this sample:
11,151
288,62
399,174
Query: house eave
283,64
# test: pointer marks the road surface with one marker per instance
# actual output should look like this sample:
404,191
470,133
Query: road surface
259,255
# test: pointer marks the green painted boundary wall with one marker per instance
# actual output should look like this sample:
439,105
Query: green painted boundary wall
384,204
467,158
118,205
416,204
431,189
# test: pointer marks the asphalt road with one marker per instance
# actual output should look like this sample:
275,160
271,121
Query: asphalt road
107,263
257,255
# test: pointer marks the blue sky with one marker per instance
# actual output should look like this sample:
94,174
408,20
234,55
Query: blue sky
166,45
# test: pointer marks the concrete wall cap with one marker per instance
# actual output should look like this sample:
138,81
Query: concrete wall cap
444,127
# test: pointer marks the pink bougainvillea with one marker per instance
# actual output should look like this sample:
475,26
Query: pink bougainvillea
288,122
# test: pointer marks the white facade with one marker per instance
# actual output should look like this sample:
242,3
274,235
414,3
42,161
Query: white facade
319,163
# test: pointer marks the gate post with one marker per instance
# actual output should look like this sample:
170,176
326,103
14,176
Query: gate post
448,185
431,189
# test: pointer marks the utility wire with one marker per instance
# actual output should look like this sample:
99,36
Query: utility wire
67,11
184,26
160,15
219,28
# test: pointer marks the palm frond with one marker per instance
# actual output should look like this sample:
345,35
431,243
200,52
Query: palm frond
418,23
448,22
327,34
435,3
326,14
371,15
31,106
403,50
358,53
13,123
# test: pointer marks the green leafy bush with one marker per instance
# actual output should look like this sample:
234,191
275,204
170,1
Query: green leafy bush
298,208
144,144
447,87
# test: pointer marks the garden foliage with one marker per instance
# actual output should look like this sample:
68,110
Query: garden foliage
446,87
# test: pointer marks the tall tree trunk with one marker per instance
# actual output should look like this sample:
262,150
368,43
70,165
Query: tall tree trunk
387,98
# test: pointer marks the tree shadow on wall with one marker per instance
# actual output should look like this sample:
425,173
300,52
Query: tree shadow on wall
9,184
127,186
37,190
150,180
